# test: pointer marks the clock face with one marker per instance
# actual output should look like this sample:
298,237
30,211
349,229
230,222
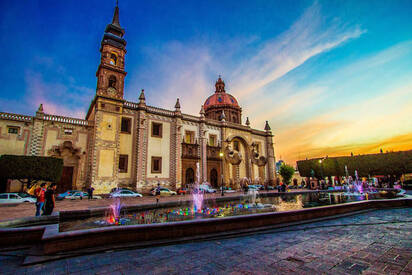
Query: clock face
111,92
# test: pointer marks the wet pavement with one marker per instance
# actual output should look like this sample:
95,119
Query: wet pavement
376,242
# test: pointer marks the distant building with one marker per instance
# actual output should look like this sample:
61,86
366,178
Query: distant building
131,144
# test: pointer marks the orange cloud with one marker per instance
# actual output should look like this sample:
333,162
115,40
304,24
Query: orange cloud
293,152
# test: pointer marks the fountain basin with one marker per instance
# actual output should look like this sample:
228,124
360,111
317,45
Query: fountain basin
52,241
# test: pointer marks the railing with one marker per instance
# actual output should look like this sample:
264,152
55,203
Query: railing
64,119
190,151
130,104
16,117
190,117
160,111
213,152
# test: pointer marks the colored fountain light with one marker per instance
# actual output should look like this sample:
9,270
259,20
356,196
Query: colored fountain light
197,195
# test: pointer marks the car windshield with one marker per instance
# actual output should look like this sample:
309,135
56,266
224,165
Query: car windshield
24,195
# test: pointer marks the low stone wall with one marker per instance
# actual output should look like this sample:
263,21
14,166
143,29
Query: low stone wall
52,241
66,241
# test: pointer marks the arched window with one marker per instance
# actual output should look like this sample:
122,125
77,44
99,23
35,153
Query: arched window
112,81
234,119
113,59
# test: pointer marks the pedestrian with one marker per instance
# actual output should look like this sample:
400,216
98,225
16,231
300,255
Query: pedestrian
50,200
158,193
39,192
90,193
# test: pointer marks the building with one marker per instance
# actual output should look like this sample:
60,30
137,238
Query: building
128,144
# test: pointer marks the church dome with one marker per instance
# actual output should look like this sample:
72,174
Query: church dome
222,103
220,98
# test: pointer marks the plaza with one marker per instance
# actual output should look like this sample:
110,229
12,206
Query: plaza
375,242
206,137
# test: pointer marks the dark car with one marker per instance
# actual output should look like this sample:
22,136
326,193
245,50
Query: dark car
407,185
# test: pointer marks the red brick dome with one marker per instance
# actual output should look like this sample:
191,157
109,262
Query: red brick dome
222,103
220,98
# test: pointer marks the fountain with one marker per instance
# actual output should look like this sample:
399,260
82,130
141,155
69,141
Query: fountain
113,215
197,195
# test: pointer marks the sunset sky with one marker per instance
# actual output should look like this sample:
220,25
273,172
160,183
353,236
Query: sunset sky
331,77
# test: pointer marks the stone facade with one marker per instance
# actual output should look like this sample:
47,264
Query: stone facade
128,144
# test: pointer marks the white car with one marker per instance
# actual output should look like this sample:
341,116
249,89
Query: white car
15,198
80,195
125,194
206,188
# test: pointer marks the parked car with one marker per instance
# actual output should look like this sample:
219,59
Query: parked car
125,194
271,187
15,198
183,191
254,187
25,195
119,188
227,190
80,195
163,192
62,196
206,188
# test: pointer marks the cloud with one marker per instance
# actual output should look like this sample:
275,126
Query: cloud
176,70
360,127
310,35
56,97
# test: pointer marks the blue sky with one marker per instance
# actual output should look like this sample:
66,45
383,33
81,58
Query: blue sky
332,77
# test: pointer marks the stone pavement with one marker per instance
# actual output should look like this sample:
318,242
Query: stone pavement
376,242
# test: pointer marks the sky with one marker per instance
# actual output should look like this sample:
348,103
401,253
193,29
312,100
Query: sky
331,77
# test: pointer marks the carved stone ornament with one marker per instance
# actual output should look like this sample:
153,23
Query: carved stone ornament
232,156
255,158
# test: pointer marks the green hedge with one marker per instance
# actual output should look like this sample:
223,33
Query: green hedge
394,163
30,168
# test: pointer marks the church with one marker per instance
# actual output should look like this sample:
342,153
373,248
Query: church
131,144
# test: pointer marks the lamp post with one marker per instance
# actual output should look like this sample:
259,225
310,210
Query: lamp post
221,172
321,171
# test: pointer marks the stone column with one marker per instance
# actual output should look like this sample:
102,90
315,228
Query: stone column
270,153
141,141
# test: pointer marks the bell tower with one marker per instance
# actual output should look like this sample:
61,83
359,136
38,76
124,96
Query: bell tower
110,73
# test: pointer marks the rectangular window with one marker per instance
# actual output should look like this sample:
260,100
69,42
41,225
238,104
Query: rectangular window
212,140
68,131
236,145
126,125
189,137
156,129
156,165
13,130
258,148
123,159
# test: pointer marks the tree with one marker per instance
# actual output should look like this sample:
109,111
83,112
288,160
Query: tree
394,163
286,171
30,169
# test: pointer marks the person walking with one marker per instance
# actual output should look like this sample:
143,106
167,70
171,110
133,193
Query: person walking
90,193
158,193
50,200
39,192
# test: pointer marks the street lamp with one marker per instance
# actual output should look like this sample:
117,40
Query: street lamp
221,172
321,170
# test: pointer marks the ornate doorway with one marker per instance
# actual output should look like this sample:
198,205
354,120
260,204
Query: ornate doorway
190,176
66,181
213,177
